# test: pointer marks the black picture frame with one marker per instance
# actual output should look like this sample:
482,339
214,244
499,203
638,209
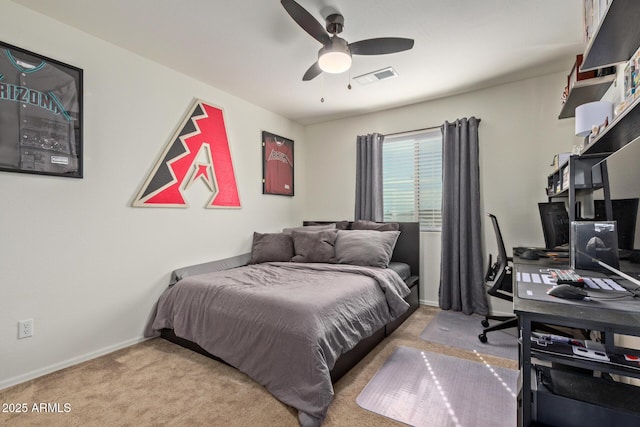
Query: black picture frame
40,114
277,165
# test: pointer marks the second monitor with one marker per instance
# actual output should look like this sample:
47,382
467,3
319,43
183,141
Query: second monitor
555,224
625,213
555,221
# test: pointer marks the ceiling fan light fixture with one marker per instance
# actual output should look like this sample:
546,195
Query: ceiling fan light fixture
335,57
335,62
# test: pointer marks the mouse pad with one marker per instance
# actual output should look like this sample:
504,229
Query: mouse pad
543,278
534,285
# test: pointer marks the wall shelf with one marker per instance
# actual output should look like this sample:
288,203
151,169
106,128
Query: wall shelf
616,38
621,131
584,91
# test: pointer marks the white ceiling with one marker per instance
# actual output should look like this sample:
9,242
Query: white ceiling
254,50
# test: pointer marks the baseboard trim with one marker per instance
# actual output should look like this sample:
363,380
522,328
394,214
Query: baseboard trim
435,304
429,303
67,363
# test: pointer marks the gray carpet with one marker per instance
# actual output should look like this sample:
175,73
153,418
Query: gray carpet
457,329
426,389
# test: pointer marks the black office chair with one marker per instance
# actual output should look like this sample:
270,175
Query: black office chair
501,287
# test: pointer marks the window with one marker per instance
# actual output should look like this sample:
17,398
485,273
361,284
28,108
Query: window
412,178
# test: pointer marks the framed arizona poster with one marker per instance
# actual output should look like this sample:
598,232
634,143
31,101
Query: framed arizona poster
40,114
277,165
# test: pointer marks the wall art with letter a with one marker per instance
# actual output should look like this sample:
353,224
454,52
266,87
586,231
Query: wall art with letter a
199,150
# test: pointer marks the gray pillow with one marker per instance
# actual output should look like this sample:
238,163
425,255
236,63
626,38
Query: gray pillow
365,247
371,225
271,247
340,225
314,247
331,226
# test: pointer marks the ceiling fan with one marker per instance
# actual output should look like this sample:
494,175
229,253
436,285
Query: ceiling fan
335,54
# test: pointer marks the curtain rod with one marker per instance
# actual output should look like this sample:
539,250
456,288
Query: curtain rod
417,130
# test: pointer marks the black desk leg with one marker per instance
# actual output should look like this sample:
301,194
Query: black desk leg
524,405
608,339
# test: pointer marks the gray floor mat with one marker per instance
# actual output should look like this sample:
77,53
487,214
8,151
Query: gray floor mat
427,389
457,329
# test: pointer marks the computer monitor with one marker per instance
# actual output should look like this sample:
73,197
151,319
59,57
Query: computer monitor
555,224
625,213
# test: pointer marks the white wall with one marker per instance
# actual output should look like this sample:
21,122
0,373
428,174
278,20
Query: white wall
75,257
519,135
87,267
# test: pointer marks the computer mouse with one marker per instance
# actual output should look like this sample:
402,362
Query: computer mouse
566,291
530,254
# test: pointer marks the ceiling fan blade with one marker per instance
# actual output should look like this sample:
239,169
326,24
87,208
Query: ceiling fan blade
306,21
380,46
313,72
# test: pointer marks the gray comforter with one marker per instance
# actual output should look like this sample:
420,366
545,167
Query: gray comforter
284,324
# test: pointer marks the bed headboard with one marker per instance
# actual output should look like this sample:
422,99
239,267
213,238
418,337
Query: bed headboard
407,248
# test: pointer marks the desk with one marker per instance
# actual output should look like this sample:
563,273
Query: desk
616,318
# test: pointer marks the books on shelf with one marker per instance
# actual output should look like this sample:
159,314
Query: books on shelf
594,11
565,178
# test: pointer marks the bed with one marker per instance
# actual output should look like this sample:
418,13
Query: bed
297,327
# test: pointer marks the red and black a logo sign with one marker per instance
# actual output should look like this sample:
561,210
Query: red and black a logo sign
199,150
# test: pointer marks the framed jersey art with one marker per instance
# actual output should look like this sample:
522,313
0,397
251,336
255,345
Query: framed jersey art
277,165
40,114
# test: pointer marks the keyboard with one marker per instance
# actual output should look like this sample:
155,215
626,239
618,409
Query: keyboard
566,276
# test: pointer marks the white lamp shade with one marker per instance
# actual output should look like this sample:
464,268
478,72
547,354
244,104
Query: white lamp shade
334,62
335,56
592,114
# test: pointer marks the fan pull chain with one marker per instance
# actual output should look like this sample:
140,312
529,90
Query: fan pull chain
322,86
349,83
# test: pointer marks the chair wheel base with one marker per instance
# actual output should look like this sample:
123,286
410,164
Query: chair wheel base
482,338
485,323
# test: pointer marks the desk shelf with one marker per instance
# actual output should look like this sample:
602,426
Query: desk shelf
587,364
617,317
575,176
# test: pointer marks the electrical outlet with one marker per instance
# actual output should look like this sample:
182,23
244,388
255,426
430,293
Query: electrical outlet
25,328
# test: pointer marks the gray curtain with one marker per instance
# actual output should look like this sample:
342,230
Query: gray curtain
369,204
461,267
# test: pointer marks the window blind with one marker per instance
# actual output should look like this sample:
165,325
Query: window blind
412,178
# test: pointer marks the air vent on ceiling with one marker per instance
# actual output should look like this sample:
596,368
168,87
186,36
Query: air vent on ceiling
374,76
